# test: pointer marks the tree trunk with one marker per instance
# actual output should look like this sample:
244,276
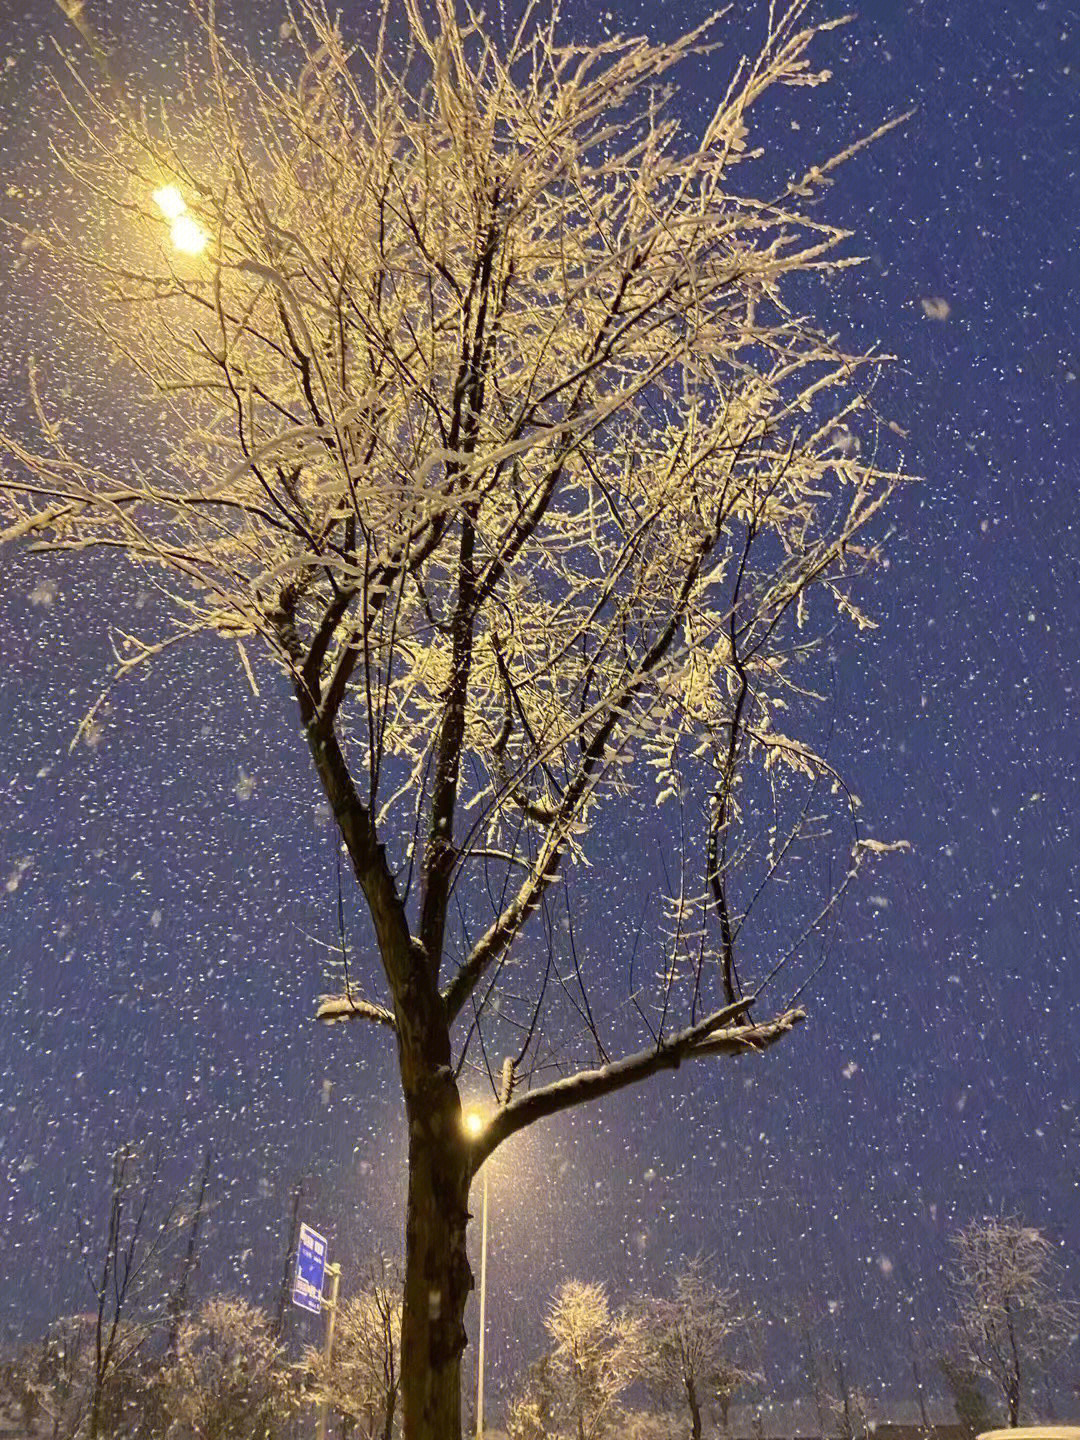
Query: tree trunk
1014,1377
695,1410
437,1274
921,1397
845,1395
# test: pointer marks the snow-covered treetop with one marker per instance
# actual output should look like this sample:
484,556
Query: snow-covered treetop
485,404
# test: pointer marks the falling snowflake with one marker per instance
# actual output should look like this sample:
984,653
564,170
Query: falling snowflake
934,308
44,594
14,879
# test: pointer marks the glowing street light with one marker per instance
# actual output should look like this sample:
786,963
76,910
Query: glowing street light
475,1124
187,235
170,202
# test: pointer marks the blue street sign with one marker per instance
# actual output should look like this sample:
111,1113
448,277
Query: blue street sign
310,1270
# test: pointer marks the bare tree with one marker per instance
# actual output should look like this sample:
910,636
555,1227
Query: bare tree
484,404
850,1407
1012,1315
93,1370
128,1281
687,1346
227,1378
364,1377
179,1303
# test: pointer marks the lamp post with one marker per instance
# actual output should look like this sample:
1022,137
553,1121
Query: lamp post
474,1124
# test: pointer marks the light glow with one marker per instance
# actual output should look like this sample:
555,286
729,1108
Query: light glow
188,235
170,202
474,1122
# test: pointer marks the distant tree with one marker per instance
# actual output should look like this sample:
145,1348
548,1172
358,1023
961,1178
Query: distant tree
826,1371
814,1369
227,1378
18,1405
687,1346
920,1390
842,1410
574,1389
60,1387
970,1405
127,1274
59,1376
588,1358
484,400
181,1297
645,1425
849,1406
1011,1314
532,1412
364,1377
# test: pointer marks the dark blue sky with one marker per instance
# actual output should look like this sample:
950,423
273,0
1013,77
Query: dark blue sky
157,890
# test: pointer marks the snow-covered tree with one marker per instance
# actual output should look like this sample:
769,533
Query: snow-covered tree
532,1412
364,1376
688,1346
18,1404
467,387
55,1378
1012,1317
574,1389
589,1357
64,1388
227,1378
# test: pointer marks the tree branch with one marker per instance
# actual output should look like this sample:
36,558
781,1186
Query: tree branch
333,1008
712,1036
354,820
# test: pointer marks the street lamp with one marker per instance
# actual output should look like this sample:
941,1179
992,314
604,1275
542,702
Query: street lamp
475,1124
185,231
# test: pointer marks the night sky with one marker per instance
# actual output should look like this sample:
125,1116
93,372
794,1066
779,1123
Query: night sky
168,892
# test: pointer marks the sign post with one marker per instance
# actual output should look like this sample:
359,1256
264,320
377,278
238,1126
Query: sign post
330,1305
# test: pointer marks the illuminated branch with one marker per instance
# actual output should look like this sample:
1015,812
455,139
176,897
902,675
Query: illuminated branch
716,1035
333,1008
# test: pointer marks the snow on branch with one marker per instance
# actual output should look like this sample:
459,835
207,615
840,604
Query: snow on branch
489,405
716,1035
333,1008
